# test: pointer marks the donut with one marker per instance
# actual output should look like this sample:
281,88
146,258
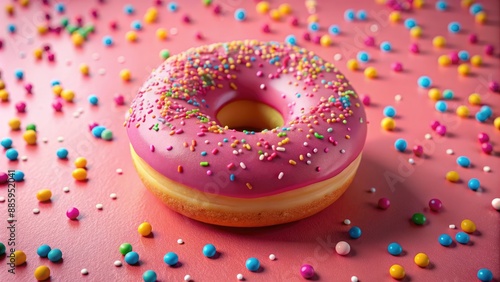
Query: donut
246,133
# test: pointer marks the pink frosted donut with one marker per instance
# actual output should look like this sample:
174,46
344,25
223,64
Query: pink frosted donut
246,133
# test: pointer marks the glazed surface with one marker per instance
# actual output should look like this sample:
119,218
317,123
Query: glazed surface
172,122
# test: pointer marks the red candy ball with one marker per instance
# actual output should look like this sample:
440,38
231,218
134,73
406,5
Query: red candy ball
384,203
487,147
435,205
418,150
483,137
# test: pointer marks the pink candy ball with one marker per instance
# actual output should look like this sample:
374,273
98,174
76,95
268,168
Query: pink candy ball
384,203
487,148
217,9
489,49
306,36
307,271
494,86
397,67
294,21
473,38
186,19
266,28
72,213
57,105
435,124
28,87
483,137
414,48
119,99
343,248
316,39
454,57
92,125
4,177
369,41
21,107
51,57
435,205
441,130
418,150
365,99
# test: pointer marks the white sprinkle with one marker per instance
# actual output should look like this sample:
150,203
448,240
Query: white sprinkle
24,158
36,211
342,151
261,157
281,149
187,277
121,60
374,28
101,71
112,196
337,57
281,175
69,63
119,170
428,136
411,161
173,31
84,271
242,165
95,56
98,206
2,199
240,151
80,110
76,114
452,226
60,139
354,279
347,221
207,141
22,54
272,257
398,98
235,152
118,263
180,241
449,152
239,276
308,162
308,155
373,190
262,86
305,144
45,140
315,150
66,189
486,168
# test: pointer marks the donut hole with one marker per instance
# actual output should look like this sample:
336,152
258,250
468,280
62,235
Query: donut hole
248,115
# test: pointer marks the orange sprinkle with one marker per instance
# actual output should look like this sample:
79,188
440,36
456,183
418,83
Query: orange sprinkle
292,162
249,186
180,169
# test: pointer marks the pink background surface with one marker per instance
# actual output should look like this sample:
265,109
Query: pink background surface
92,241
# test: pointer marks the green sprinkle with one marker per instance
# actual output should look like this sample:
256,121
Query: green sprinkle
71,28
64,22
204,163
107,135
317,135
31,126
156,127
260,152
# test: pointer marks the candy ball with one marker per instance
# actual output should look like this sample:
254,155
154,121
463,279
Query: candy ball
463,161
72,213
444,60
495,203
14,123
388,123
18,175
394,249
307,271
240,14
2,249
421,260
342,248
448,94
12,154
107,135
441,5
400,145
145,229
424,82
462,237
395,16
409,23
262,7
171,258
44,195
454,27
43,250
452,176
125,248
19,257
434,94
484,275
98,130
132,258
149,276
355,232
30,137
42,273
252,264
385,46
125,75
463,112
397,67
439,41
6,142
389,111
370,72
384,203
468,226
416,31
334,30
445,240
62,153
209,250
476,60
418,150
349,15
68,95
80,162
54,255
363,56
397,271
352,64
441,106
418,218
79,174
463,69
435,205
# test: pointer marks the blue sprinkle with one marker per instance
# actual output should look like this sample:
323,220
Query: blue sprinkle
474,184
463,161
445,240
424,82
385,46
361,15
232,177
334,29
252,264
363,56
62,153
485,275
55,82
149,276
462,237
314,26
132,258
409,23
448,94
475,8
93,100
349,15
394,249
441,106
172,6
171,258
12,154
128,9
209,250
204,153
400,145
389,111
240,15
18,176
454,27
355,232
137,25
441,6
107,40
291,39
6,143
225,140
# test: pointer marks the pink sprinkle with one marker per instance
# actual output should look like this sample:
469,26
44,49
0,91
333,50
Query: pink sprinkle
306,36
200,134
28,87
113,25
179,131
169,148
94,13
152,148
260,73
92,125
215,151
199,36
51,57
266,28
57,105
414,48
21,107
230,166
186,19
434,124
369,41
217,9
454,58
294,21
262,86
397,67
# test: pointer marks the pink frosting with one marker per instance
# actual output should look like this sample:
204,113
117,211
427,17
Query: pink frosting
172,124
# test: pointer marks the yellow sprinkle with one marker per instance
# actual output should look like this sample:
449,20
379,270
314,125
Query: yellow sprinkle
292,162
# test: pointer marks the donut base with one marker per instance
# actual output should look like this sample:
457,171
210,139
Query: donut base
245,212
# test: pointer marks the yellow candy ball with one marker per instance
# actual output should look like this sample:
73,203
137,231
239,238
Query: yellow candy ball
126,75
285,9
37,53
145,229
30,137
463,69
370,72
452,176
313,18
2,84
42,273
15,123
468,226
395,16
44,195
131,36
421,260
476,60
153,11
161,33
444,60
418,3
4,95
397,271
481,17
84,69
275,14
496,123
42,29
325,40
439,41
57,90
388,123
463,111
77,39
416,31
80,162
434,94
262,7
79,174
24,3
466,3
352,64
68,95
19,257
9,8
150,17
474,99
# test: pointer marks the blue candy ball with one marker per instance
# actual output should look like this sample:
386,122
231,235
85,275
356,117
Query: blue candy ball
97,131
54,255
481,116
60,8
462,237
11,154
18,176
485,275
137,25
149,276
400,145
171,258
132,258
355,232
361,15
394,249
62,153
448,94
445,240
55,82
172,6
349,15
19,73
291,39
6,142
463,55
454,27
334,29
363,56
486,110
43,251
441,106
463,161
474,184
209,250
252,264
314,26
128,9
93,100
11,28
389,111
441,5
424,82
409,23
240,14
107,40
385,46
475,8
